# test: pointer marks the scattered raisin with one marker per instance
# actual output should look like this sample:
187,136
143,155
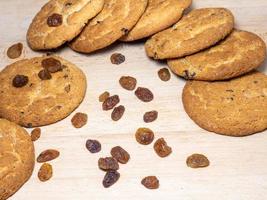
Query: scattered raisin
20,81
150,182
47,155
164,74
52,65
161,148
150,116
108,163
110,102
35,134
44,74
79,120
45,172
117,58
128,82
144,94
117,113
197,161
93,146
54,20
103,96
120,154
110,178
144,136
15,51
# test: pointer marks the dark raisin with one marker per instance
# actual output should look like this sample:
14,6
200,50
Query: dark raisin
144,94
15,51
20,81
47,155
79,120
197,161
44,75
110,102
128,82
93,146
150,182
150,116
117,113
35,134
110,178
54,20
108,163
120,154
144,136
117,58
52,65
161,148
164,74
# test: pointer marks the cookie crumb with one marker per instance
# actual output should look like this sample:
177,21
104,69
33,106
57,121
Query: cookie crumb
35,134
93,146
117,58
103,96
144,136
47,155
15,51
121,155
197,161
45,172
161,148
117,113
164,74
128,82
150,182
79,120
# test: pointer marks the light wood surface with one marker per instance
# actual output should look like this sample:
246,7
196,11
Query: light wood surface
238,165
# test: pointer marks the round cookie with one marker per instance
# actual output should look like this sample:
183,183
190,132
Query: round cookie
59,21
159,15
114,21
16,158
29,98
237,107
200,29
238,54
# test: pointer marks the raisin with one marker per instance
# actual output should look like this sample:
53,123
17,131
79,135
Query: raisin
67,88
161,148
47,155
79,120
110,102
188,75
125,31
128,82
108,163
150,116
117,113
103,96
144,94
150,182
20,81
35,134
120,154
15,51
197,161
110,178
44,74
117,58
164,74
93,146
52,65
144,136
45,172
54,20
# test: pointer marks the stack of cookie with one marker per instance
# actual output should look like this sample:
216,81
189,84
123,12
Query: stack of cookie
205,48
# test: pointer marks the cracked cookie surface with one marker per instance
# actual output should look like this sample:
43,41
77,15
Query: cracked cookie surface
16,158
41,100
238,54
60,21
237,107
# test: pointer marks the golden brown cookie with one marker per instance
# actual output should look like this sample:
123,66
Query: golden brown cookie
159,15
237,107
16,158
40,91
238,54
59,21
200,29
114,21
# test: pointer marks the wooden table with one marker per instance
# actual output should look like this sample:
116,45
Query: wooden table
238,165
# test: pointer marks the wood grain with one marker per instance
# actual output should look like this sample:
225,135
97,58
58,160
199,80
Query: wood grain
238,165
